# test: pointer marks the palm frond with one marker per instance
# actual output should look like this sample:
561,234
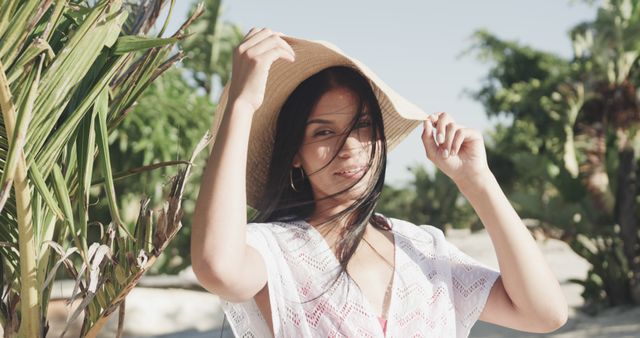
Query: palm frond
69,74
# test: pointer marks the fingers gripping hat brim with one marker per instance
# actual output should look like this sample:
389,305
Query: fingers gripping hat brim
399,115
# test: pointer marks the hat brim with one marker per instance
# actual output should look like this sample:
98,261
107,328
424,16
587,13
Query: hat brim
399,115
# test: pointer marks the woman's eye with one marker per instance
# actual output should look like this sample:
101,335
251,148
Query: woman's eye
326,132
363,124
322,132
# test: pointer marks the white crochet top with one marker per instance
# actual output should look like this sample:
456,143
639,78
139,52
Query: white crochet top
438,291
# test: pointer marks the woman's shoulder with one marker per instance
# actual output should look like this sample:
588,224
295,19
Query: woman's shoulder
277,225
407,227
420,240
280,231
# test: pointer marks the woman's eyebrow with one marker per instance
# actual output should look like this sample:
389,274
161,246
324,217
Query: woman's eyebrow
364,115
320,121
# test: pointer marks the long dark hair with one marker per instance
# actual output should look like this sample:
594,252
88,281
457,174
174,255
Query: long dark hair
280,202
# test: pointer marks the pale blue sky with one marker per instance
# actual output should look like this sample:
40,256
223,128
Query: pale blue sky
414,46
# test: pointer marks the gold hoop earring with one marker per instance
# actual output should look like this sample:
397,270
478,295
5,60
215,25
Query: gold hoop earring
291,178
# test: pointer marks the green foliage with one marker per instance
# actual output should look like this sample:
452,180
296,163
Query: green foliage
429,199
572,144
68,76
210,49
168,121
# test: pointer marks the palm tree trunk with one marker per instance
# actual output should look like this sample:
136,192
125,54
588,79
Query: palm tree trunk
594,171
30,307
626,208
30,310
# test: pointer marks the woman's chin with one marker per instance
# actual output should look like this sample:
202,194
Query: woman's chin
352,192
343,190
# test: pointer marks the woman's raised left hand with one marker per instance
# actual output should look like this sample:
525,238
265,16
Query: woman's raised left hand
459,152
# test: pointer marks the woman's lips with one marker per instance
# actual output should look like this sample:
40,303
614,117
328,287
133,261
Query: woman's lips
352,172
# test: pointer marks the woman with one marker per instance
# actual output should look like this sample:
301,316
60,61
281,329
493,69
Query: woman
310,127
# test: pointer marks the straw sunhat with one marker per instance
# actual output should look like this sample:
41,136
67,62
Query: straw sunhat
399,115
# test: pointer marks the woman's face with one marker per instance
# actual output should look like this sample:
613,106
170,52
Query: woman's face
326,128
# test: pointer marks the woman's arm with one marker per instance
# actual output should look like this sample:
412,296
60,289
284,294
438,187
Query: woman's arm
222,261
527,296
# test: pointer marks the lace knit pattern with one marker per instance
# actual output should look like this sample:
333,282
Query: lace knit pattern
438,291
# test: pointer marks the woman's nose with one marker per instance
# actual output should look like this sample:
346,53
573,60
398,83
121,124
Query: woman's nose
351,146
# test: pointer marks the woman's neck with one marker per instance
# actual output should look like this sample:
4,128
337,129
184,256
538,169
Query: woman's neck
325,212
325,221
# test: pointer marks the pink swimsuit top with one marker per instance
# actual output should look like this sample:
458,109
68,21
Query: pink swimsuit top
383,323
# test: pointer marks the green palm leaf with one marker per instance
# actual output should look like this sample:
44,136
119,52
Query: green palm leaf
69,74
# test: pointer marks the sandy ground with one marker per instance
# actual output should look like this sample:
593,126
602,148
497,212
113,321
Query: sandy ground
176,312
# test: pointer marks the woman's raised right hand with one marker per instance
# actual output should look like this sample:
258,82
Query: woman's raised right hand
252,60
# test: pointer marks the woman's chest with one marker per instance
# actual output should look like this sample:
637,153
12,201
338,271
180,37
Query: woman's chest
372,269
419,299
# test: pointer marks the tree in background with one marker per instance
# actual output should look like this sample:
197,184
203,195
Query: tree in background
573,144
210,49
169,121
70,71
428,199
